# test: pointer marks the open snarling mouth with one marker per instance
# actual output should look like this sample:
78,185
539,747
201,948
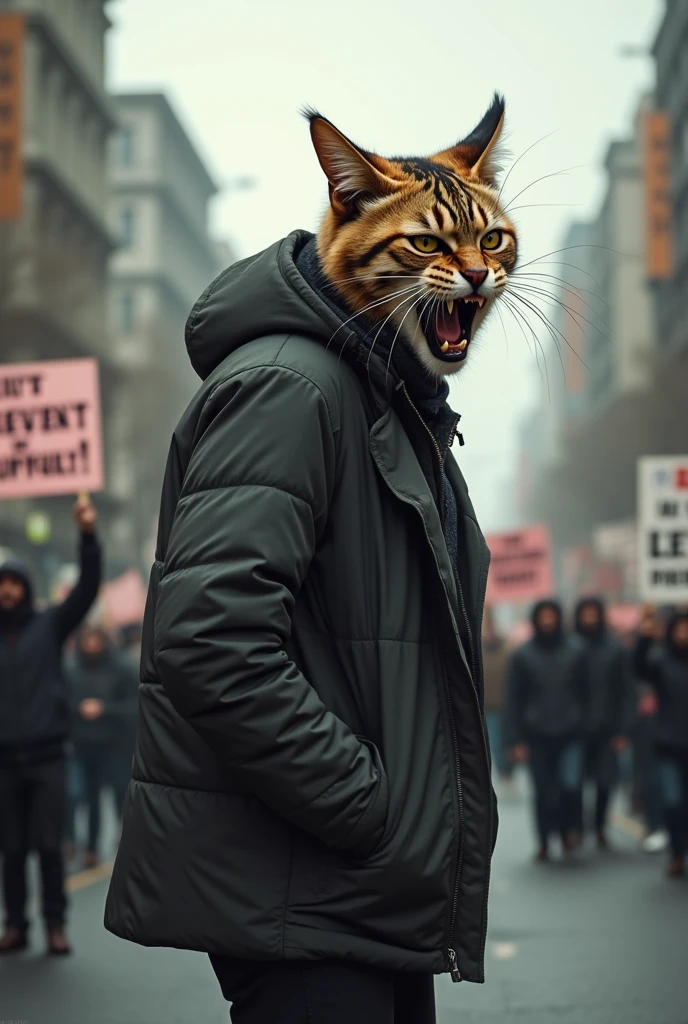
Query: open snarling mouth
449,326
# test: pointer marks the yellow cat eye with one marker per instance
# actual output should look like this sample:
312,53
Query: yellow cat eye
492,240
425,243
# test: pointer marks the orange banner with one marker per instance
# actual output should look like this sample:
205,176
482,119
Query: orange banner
11,72
658,212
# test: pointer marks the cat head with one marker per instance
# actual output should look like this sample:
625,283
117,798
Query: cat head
421,243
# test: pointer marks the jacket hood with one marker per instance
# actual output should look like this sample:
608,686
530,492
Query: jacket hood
678,652
556,607
15,567
259,296
591,602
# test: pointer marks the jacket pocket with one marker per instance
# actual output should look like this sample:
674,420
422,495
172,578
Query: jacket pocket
319,870
372,825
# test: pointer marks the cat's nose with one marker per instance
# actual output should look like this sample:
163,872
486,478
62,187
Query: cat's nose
475,276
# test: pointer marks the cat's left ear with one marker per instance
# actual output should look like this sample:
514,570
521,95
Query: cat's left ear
478,155
354,175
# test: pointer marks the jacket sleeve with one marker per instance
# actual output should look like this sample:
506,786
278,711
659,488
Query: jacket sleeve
647,661
253,507
515,701
625,696
75,606
583,679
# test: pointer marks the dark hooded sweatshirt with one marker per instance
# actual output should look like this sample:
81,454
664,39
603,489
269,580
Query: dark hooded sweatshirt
35,716
610,681
110,678
311,776
665,667
548,687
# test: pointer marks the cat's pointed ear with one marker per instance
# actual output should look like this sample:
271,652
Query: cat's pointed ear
354,176
479,154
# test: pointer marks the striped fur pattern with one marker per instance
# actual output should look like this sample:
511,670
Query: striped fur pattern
421,244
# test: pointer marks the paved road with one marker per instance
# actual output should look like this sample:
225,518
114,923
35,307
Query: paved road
599,941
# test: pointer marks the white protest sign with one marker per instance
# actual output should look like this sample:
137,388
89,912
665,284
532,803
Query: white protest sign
663,528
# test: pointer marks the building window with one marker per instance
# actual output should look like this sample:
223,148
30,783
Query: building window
126,312
126,227
125,146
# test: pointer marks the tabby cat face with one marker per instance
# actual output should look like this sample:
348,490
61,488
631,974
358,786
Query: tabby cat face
421,244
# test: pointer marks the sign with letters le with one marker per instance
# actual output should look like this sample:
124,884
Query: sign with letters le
50,435
663,533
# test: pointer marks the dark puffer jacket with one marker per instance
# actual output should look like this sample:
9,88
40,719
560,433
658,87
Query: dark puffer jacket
311,776
665,667
548,690
610,684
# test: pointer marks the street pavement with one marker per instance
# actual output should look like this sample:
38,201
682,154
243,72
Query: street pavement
602,939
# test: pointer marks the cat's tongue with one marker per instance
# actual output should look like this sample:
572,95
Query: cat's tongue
448,325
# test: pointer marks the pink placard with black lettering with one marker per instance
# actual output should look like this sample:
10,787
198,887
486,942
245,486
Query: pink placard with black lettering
50,428
521,566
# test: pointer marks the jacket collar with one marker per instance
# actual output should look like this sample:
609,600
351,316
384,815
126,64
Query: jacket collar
399,467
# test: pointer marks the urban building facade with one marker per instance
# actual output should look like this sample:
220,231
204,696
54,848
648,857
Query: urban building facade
55,243
581,444
671,98
158,212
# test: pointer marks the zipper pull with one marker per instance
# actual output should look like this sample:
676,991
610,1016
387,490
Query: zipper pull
453,968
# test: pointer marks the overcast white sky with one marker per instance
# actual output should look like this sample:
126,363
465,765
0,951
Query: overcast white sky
398,77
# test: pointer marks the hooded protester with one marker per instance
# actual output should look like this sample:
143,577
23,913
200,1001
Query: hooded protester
665,667
547,720
311,800
611,692
34,729
103,694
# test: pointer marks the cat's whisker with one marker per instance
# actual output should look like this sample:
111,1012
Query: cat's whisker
549,327
540,206
518,159
372,305
513,310
543,293
561,281
386,321
537,344
501,319
539,313
544,177
569,248
391,348
555,296
372,277
421,314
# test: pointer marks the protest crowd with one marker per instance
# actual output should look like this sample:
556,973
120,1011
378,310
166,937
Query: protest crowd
582,717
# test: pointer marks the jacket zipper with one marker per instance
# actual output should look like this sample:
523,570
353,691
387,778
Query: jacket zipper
451,953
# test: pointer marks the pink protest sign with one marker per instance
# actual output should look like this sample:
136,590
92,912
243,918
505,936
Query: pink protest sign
124,599
50,441
521,566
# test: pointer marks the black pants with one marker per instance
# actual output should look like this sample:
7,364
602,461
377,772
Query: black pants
673,777
32,809
92,770
323,992
556,766
601,769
